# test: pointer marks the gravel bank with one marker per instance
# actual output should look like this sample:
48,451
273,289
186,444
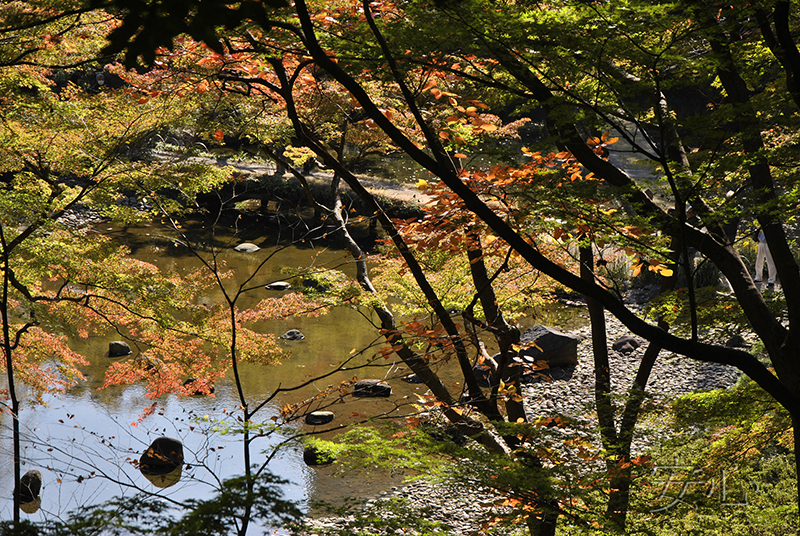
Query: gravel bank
569,392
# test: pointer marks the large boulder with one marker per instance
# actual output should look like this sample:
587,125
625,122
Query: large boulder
552,346
29,487
163,456
372,388
118,349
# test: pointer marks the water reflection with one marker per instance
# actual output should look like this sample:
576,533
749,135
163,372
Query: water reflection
86,443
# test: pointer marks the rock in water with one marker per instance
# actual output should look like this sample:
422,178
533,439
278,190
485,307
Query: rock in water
483,375
30,485
372,388
293,335
163,456
246,247
556,348
412,378
314,456
278,285
319,417
313,284
118,349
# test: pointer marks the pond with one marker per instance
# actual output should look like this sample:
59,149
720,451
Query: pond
85,441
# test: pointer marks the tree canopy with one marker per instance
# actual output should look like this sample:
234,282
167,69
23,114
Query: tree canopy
669,125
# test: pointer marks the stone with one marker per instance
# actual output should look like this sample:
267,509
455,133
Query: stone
163,456
293,335
319,417
737,341
31,507
483,375
165,480
118,349
30,485
314,456
556,348
246,247
411,378
278,285
313,284
625,344
372,388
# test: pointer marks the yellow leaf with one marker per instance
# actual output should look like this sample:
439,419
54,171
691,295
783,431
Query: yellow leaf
422,183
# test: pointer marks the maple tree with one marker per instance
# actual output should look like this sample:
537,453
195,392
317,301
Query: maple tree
590,68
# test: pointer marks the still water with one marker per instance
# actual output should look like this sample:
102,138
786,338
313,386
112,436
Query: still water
84,442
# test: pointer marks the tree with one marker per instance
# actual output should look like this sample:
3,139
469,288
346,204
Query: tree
627,82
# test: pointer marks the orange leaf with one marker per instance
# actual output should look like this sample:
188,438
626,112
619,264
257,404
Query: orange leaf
219,135
460,155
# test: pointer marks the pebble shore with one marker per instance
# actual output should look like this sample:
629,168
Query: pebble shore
569,392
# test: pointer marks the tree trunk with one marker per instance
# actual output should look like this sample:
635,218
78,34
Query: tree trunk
505,334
